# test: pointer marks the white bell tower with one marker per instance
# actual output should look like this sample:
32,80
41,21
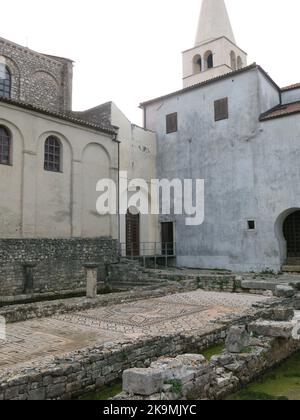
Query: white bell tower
215,52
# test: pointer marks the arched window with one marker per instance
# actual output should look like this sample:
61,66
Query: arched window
233,60
5,81
209,60
53,152
5,146
197,64
239,63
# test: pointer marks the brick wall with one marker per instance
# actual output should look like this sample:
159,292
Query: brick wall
58,264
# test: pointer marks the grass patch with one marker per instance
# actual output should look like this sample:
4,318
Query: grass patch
255,396
282,383
247,350
105,393
176,386
213,351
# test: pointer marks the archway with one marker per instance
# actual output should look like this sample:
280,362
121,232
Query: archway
233,60
197,64
239,63
291,232
132,233
208,60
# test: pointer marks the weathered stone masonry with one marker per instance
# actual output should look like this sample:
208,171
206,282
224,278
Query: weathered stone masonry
50,265
38,79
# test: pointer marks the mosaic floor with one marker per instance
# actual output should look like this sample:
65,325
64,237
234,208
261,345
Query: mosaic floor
31,340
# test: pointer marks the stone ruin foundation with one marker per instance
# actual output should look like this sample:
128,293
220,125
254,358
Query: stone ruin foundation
250,351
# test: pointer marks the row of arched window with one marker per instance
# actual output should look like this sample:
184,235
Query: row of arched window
5,81
203,64
207,62
52,151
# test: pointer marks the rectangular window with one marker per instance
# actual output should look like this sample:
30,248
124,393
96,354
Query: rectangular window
221,109
172,123
251,225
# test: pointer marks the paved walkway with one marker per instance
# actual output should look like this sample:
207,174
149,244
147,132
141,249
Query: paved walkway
41,338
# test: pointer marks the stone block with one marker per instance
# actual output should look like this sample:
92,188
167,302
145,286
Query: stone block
11,393
91,280
258,285
222,359
272,329
296,286
55,391
143,381
237,339
37,395
191,360
282,314
284,291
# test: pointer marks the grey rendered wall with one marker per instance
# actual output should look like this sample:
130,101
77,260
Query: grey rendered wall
239,160
290,96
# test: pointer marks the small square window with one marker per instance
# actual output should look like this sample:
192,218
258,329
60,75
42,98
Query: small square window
251,225
172,123
221,109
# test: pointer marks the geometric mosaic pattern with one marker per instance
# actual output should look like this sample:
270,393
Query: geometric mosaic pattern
43,338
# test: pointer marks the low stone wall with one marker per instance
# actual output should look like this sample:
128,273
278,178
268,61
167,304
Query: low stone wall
29,266
23,312
90,369
220,283
251,349
191,377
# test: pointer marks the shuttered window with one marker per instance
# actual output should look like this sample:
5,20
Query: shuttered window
172,123
221,109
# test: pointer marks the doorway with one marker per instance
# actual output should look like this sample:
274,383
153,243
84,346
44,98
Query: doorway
167,238
132,234
291,231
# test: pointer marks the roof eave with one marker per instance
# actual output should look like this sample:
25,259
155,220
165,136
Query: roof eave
208,82
39,110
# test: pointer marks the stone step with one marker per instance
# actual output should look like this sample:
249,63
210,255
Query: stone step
127,286
291,268
260,284
142,281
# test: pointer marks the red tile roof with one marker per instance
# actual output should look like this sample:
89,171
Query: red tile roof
71,117
291,87
281,111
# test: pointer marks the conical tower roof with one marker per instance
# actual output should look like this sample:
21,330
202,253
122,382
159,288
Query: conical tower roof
214,22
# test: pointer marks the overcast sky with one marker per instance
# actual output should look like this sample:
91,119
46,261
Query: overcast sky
129,51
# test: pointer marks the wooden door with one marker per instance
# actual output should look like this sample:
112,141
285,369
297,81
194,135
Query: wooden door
132,235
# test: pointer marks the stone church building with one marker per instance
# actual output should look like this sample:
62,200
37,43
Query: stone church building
230,125
51,159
